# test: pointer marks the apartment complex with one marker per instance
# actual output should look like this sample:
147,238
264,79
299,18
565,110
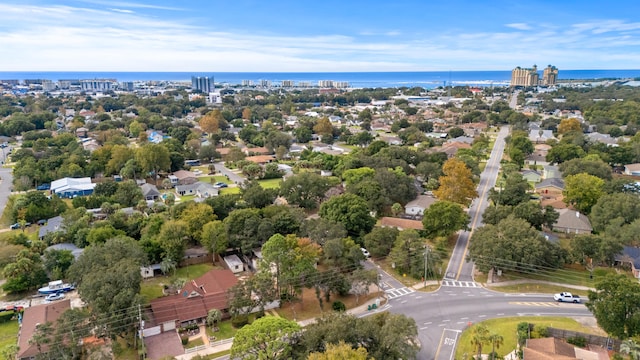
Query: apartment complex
531,77
202,83
550,75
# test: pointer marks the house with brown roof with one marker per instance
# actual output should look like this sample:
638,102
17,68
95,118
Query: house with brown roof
261,159
185,177
256,151
556,349
632,169
195,299
451,149
34,316
401,224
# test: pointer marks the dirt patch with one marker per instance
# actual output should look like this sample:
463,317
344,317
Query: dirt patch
591,323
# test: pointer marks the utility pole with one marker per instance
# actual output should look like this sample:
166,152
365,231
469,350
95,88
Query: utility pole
426,261
144,352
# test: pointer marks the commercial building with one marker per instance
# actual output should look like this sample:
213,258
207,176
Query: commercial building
97,84
550,75
525,76
288,83
202,83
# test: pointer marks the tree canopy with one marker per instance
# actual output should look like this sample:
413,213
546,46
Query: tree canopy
456,185
616,306
268,338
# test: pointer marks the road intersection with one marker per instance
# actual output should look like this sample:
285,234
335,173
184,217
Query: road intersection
441,316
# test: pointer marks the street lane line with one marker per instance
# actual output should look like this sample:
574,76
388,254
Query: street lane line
440,345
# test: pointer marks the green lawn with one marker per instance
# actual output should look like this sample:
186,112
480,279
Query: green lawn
507,328
216,178
8,333
537,288
194,343
152,288
229,191
186,198
568,275
270,183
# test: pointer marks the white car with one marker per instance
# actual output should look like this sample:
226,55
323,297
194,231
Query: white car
365,252
54,297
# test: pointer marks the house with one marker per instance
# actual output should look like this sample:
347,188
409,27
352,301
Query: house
261,159
555,349
194,300
461,139
234,263
150,271
553,186
541,136
53,225
34,316
531,175
632,169
572,222
185,177
401,224
75,251
550,172
82,132
418,205
256,151
72,187
630,255
199,189
150,191
451,149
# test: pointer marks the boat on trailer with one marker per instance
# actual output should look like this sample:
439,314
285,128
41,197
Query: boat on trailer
56,287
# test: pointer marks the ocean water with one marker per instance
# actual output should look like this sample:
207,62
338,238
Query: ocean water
427,79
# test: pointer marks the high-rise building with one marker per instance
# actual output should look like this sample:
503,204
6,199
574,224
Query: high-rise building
550,75
202,83
48,85
97,84
247,83
525,77
265,83
325,83
288,83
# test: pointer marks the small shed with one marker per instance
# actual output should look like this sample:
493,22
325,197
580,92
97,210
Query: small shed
234,263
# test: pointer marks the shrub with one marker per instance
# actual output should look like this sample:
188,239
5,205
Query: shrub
338,306
6,316
259,314
239,321
184,339
539,332
578,341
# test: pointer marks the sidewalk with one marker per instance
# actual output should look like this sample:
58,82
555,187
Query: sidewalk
359,310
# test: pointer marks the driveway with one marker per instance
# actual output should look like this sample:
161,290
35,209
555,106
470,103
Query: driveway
163,345
237,179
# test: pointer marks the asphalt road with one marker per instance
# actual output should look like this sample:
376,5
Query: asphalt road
237,179
459,268
5,186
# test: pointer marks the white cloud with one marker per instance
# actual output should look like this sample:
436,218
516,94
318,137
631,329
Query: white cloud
519,26
66,38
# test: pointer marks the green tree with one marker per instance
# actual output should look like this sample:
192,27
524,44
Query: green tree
256,196
322,230
611,206
515,191
631,348
153,158
591,166
213,316
243,229
354,176
305,189
380,240
120,154
583,191
173,239
479,337
57,262
24,273
408,253
351,211
196,215
616,305
214,237
456,185
109,283
444,218
269,337
564,152
512,244
342,253
340,351
496,341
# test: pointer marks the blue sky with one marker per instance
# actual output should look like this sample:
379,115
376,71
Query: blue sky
330,35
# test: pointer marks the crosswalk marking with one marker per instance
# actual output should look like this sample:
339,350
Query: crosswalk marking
394,293
455,283
534,303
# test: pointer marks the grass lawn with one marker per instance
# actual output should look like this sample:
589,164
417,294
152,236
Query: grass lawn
230,191
270,183
225,331
570,274
310,308
186,198
507,328
537,288
152,288
8,333
194,343
216,178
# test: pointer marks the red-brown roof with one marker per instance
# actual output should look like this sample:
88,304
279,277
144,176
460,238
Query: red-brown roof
196,298
260,159
257,150
401,223
34,316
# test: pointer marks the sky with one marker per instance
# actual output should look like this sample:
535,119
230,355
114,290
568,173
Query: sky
317,36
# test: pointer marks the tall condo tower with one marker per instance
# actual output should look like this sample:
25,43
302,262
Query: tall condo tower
202,83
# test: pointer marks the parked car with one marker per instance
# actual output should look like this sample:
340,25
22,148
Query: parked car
365,252
566,297
54,297
15,226
220,185
41,222
45,186
27,224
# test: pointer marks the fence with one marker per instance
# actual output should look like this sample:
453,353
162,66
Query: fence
605,342
212,344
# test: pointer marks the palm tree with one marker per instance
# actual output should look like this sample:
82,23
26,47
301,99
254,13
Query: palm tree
631,348
213,317
479,337
496,341
167,265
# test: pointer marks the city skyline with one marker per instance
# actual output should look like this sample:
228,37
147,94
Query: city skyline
247,36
